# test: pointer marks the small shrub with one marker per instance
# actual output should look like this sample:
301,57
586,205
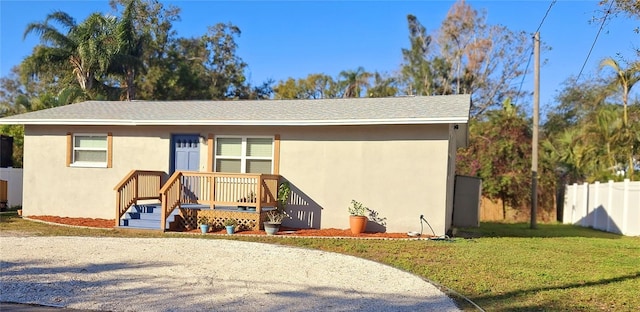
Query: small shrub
203,220
357,208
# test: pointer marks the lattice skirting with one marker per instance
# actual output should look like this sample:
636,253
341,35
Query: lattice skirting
187,219
247,220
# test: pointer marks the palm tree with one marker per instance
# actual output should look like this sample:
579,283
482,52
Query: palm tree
625,78
127,62
600,139
87,49
353,81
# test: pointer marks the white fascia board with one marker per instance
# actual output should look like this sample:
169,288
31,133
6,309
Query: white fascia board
339,122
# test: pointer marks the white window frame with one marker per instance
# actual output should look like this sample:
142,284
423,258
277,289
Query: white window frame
243,151
89,164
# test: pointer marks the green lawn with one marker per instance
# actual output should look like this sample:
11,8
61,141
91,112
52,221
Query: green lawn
507,267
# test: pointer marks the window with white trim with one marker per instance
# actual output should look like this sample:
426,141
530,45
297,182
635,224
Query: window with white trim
244,154
90,150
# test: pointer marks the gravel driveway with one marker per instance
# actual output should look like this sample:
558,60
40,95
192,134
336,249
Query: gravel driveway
180,274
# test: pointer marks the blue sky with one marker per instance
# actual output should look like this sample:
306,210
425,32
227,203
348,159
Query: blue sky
295,38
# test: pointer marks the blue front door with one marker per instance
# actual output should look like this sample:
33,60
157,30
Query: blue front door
186,153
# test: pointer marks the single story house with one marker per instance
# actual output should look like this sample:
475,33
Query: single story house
395,155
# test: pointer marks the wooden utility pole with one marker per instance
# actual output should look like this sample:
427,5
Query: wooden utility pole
534,144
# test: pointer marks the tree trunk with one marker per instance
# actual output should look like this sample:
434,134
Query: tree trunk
131,90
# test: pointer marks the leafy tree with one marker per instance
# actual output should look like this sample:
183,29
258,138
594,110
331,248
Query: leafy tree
575,102
226,68
288,89
314,86
383,86
17,132
629,8
259,92
586,136
626,8
416,69
485,60
499,153
320,86
13,96
17,98
179,75
473,58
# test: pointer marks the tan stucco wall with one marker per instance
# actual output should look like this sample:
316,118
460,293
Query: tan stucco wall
51,188
399,171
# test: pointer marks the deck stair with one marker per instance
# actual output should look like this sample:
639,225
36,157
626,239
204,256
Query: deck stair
145,216
148,216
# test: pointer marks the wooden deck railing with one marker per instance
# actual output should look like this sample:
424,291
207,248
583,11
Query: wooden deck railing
222,189
137,185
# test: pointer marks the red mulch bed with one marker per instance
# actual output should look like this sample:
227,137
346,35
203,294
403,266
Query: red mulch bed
108,224
97,223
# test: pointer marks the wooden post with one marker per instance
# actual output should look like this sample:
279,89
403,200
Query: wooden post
118,205
212,191
135,185
69,158
276,154
210,151
163,211
259,194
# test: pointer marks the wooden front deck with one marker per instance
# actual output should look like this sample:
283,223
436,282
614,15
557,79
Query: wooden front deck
218,196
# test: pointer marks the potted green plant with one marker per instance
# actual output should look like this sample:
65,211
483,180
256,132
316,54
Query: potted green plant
357,218
230,225
275,217
203,221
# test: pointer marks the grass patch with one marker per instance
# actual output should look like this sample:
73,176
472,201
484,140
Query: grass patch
508,267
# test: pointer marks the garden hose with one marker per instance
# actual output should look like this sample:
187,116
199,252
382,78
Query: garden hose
434,237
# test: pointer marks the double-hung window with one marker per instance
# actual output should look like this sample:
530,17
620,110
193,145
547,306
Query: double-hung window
244,154
90,150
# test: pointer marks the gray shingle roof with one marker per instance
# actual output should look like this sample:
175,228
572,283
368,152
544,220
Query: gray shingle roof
393,110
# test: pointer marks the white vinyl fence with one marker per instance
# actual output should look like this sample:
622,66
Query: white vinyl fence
13,176
612,206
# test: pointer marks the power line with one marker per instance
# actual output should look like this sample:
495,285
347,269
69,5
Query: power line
523,76
545,15
606,14
531,54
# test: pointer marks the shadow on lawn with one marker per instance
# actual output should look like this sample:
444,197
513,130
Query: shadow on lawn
514,295
497,229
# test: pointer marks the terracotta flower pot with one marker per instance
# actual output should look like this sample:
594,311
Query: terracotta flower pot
357,224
